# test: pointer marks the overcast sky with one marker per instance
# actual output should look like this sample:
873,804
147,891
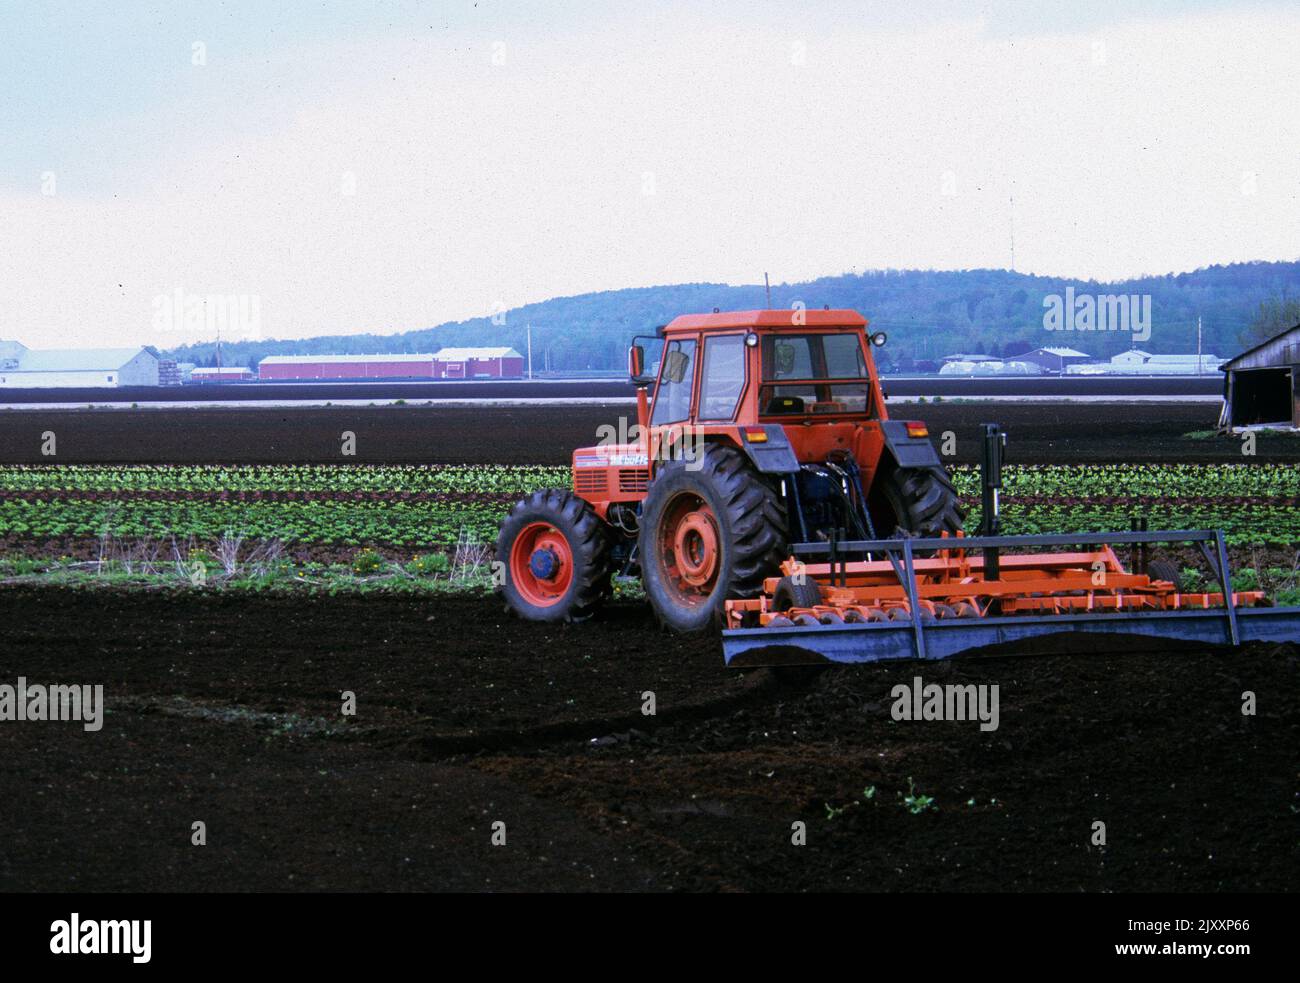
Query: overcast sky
365,167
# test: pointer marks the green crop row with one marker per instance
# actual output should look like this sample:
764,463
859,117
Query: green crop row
1264,525
111,479
346,523
1154,481
1251,503
1075,481
435,524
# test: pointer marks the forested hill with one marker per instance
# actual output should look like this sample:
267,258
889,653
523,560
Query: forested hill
927,314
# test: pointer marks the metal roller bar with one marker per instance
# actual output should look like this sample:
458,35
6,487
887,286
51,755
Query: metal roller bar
944,639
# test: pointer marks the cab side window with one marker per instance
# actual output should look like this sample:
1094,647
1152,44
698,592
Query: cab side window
724,377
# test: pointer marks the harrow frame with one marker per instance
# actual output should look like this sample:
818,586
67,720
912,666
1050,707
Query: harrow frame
1044,582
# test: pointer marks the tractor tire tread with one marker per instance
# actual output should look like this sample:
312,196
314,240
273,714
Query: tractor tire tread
930,500
589,539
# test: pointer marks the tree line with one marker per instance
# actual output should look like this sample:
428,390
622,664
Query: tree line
927,314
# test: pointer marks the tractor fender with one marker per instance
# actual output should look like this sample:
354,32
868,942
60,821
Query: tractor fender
908,452
771,456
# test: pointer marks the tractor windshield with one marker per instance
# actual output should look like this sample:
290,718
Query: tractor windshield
814,373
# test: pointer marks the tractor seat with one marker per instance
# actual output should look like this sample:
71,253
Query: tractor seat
784,404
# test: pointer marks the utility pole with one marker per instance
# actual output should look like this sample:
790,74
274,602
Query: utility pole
768,285
1012,200
1199,370
530,353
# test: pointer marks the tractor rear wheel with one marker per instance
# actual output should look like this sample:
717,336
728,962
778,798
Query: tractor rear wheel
711,529
915,501
555,552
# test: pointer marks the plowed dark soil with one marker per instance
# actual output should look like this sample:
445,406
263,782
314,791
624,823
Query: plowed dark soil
226,709
1041,433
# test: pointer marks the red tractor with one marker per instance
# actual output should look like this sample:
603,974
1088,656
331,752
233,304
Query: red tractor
765,428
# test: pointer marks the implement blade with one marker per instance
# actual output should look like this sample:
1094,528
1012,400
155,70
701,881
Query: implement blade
876,642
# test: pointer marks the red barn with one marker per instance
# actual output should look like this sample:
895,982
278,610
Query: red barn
478,363
345,367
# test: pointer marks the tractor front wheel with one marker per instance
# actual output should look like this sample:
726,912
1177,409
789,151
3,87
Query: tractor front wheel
555,554
711,529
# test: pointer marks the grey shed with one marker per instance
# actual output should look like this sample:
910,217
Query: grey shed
1262,385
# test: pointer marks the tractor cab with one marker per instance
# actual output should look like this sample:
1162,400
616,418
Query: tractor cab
798,393
749,367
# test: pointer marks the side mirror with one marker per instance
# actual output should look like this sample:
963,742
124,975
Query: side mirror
635,361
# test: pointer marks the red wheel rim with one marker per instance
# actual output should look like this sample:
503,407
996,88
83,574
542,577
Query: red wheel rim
690,548
548,587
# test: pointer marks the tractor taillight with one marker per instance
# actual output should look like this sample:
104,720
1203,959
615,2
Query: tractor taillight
756,435
917,429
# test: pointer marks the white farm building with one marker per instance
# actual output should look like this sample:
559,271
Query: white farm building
82,368
1138,362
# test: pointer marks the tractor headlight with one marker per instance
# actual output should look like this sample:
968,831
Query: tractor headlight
751,339
879,338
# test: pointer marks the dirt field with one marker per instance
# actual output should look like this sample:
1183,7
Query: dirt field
226,710
411,390
1041,433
